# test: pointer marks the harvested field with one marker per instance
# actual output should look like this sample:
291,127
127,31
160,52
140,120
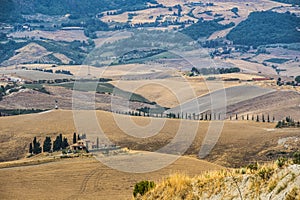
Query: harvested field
278,104
84,178
236,146
60,35
220,99
27,54
34,75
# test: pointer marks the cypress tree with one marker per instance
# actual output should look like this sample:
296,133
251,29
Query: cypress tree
74,138
34,141
257,118
47,145
65,143
36,146
263,118
97,143
30,148
57,144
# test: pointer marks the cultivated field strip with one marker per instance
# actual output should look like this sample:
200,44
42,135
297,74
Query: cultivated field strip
216,99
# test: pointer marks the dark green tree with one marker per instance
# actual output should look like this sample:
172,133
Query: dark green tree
30,148
57,144
297,79
74,138
97,143
65,143
36,146
47,145
257,118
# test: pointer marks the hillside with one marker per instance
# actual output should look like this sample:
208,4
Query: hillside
266,182
62,7
236,146
268,27
84,178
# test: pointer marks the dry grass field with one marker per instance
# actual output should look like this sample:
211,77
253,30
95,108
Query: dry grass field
28,53
34,74
171,92
236,146
84,178
250,67
60,35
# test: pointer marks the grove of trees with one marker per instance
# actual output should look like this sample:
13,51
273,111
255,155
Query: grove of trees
60,143
266,27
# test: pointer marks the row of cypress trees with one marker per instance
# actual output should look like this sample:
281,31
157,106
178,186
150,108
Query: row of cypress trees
58,144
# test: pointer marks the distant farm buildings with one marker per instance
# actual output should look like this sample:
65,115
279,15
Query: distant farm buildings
79,146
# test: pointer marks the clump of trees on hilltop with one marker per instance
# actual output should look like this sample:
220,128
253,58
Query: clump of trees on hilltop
206,71
288,122
60,143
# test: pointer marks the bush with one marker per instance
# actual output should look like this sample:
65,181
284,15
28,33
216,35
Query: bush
64,151
253,166
142,187
281,162
296,158
265,173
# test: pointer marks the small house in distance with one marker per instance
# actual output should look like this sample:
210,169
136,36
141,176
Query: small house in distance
80,146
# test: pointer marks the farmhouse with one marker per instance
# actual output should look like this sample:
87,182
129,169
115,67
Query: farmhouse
78,146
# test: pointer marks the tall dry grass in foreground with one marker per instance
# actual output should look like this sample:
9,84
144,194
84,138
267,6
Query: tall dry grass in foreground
277,181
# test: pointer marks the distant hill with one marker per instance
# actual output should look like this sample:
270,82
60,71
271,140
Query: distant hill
61,7
294,2
11,9
204,28
267,27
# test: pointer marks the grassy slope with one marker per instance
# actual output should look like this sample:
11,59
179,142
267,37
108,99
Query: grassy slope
84,178
236,146
267,182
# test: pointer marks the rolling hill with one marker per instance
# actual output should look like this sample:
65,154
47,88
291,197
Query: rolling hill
236,146
262,28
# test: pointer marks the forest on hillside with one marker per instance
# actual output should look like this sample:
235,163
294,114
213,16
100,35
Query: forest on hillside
204,28
267,27
10,10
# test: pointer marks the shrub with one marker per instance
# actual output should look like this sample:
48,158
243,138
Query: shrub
253,166
296,158
142,187
265,173
281,162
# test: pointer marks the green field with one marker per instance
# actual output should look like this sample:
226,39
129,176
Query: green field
277,60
